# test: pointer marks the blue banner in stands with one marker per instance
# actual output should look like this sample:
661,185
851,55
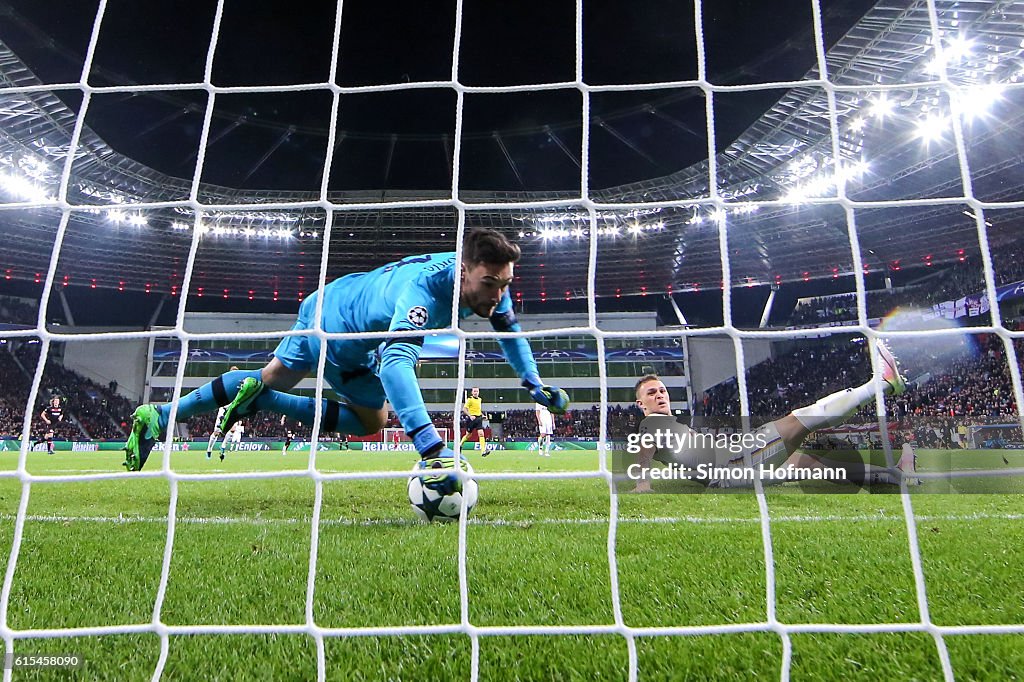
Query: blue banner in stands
1009,292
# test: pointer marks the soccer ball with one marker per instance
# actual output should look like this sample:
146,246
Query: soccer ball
430,505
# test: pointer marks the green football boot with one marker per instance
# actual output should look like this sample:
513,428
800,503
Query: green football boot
145,434
248,391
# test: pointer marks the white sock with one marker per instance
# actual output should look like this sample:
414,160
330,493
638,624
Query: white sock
833,410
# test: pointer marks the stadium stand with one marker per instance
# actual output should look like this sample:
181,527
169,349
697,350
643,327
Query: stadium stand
13,391
16,311
581,424
944,284
975,387
92,411
791,380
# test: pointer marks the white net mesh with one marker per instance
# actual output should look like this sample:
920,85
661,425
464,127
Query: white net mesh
715,199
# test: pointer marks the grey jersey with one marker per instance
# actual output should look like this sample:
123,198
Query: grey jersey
677,443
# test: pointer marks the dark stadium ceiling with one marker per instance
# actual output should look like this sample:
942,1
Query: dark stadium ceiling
893,103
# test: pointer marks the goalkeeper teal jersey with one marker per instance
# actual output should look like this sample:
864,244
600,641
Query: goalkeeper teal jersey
415,293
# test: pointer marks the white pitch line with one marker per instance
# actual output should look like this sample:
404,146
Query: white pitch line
517,523
76,470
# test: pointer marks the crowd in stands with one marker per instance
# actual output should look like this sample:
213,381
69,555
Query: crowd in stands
1008,264
100,412
91,411
17,311
778,385
975,386
948,284
13,393
14,389
843,307
839,308
578,424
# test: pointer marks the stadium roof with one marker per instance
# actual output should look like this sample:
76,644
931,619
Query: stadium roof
891,97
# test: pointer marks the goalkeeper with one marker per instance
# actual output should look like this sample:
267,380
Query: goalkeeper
413,294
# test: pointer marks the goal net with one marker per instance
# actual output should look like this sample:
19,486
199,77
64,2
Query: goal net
804,164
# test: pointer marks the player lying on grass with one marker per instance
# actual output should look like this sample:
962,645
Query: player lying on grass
772,445
413,294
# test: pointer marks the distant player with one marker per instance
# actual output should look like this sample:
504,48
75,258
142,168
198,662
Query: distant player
545,428
413,294
474,408
781,437
51,415
908,460
232,438
288,435
216,434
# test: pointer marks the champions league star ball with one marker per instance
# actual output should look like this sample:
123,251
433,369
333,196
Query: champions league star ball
430,505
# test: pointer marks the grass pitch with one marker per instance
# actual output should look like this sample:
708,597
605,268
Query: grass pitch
537,555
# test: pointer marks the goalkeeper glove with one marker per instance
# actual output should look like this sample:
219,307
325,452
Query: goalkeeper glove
551,397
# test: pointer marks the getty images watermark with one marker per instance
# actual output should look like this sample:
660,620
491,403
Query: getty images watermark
669,454
720,458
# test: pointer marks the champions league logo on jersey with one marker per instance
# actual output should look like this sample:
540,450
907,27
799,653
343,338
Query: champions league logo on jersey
418,316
